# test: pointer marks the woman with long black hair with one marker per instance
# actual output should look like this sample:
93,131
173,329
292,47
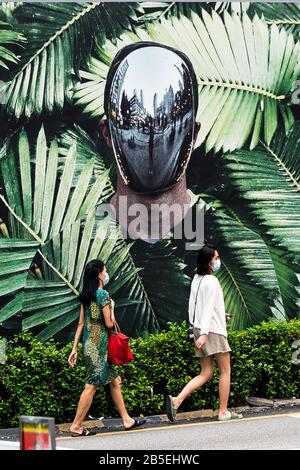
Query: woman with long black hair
208,317
96,318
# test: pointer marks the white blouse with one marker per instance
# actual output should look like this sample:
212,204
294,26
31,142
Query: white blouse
210,309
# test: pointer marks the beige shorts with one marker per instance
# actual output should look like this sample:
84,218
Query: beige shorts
215,344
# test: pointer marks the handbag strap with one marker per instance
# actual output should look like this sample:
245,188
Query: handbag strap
197,299
116,327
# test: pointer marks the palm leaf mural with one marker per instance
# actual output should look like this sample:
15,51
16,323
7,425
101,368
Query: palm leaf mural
8,37
7,9
244,77
236,7
86,151
50,302
267,182
49,295
288,275
47,301
60,37
246,58
15,259
164,279
221,186
154,11
247,274
40,198
285,15
135,317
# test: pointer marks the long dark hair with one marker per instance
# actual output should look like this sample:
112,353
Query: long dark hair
205,255
91,281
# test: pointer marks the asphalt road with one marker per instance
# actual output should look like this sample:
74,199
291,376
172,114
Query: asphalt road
276,432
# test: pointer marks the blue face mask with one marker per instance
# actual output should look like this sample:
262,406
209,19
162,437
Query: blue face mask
106,279
216,265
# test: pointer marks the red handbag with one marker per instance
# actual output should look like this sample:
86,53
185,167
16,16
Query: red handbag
119,351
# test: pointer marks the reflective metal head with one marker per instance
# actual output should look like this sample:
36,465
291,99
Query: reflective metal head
151,104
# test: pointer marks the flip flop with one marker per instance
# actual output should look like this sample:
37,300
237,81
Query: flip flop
230,415
85,432
170,409
136,424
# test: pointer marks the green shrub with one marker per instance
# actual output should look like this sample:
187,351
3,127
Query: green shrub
36,379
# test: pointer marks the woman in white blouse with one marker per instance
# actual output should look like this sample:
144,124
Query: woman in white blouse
207,315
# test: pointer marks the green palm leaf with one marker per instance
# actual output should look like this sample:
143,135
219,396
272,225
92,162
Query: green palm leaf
243,75
157,10
164,279
7,9
154,11
8,37
135,318
41,192
247,275
60,38
285,15
86,151
54,303
31,186
140,318
267,181
236,7
288,275
73,239
16,256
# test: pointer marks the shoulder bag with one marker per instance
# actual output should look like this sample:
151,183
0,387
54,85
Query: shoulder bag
190,332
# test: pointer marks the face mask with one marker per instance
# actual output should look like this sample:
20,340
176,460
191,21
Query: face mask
216,265
106,279
151,121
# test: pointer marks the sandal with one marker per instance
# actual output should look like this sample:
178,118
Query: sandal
230,415
170,409
136,424
85,432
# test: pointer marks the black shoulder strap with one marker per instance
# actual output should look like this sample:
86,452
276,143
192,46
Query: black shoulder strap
197,299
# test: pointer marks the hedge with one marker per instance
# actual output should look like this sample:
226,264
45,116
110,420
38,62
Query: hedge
36,379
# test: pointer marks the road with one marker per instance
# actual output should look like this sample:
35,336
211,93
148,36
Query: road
280,431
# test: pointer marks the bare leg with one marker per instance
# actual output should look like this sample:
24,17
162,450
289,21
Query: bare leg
84,404
117,397
207,371
223,361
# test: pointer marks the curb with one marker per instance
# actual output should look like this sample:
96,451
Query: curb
112,423
262,406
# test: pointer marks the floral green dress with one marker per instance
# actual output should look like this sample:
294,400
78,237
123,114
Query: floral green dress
95,342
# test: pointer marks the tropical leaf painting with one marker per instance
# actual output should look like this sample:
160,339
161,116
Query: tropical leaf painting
284,15
244,78
57,176
8,38
60,38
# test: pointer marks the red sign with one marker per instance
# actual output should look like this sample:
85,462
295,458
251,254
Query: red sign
37,433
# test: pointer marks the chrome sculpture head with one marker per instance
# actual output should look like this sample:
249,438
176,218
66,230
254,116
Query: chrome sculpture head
151,101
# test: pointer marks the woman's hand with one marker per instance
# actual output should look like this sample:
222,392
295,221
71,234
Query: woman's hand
201,341
112,303
72,358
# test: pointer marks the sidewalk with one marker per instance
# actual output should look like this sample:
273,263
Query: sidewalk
269,407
